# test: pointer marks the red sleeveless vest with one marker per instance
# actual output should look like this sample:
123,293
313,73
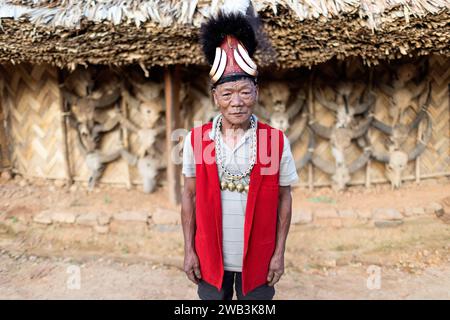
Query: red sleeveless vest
260,214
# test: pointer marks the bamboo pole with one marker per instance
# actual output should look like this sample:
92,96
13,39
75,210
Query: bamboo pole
172,95
417,162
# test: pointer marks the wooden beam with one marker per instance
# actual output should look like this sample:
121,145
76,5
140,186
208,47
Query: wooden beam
64,106
172,94
4,154
125,141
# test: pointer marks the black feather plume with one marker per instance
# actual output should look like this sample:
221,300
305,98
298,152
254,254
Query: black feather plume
214,31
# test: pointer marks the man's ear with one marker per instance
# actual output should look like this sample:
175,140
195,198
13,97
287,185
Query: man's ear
214,95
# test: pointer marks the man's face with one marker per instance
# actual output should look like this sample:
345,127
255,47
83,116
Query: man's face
236,100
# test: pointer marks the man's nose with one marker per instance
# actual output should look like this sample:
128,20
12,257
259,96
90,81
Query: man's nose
236,100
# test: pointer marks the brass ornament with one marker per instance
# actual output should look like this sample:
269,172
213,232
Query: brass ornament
223,185
240,187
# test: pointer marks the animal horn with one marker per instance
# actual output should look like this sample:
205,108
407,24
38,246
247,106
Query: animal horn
422,112
106,100
362,127
323,165
382,126
360,161
296,131
422,144
307,157
320,130
366,105
327,104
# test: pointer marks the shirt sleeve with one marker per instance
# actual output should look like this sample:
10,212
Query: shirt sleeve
188,157
288,171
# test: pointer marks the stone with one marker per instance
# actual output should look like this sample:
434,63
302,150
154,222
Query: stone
302,217
73,188
166,216
330,263
440,213
329,222
59,183
364,213
347,213
64,217
6,175
434,207
388,223
23,183
386,214
87,219
407,212
135,216
417,211
101,229
129,227
44,217
104,219
326,213
429,210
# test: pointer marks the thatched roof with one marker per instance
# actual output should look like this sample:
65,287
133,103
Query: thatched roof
158,32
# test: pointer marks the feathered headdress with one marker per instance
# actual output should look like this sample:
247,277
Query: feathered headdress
229,42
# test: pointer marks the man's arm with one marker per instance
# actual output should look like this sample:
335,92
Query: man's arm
191,263
276,267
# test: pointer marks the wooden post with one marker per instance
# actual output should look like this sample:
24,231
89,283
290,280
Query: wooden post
172,94
311,114
124,110
64,125
368,165
417,162
4,155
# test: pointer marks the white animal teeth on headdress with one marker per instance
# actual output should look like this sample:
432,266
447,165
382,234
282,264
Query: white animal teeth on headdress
235,6
244,66
221,68
217,59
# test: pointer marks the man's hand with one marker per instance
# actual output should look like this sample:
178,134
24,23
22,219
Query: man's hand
276,269
192,266
276,266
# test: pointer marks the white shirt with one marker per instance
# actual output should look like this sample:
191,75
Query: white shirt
236,160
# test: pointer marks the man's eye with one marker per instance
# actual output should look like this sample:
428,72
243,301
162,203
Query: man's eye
226,94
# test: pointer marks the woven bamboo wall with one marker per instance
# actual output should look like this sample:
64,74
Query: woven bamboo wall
34,106
34,102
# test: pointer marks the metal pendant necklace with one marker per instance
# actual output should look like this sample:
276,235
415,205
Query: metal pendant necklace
230,181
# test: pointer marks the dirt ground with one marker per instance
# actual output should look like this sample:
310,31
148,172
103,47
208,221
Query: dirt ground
410,261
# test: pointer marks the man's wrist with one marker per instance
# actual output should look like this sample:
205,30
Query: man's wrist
189,248
279,252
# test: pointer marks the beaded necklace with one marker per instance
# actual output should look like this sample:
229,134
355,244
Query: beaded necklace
235,182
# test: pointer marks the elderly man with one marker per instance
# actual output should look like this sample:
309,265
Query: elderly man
236,203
